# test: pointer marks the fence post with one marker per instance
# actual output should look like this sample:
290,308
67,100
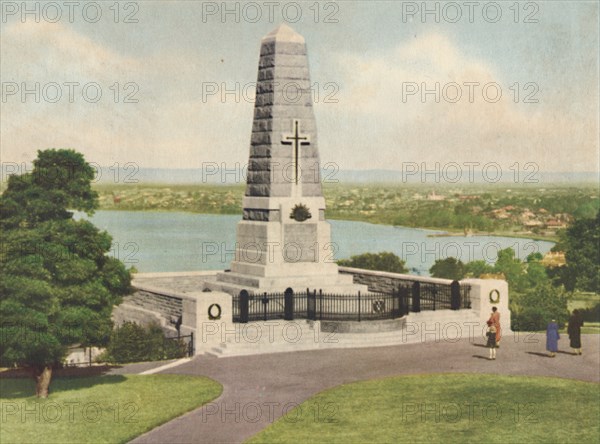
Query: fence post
191,347
288,305
243,301
265,301
311,309
416,297
320,304
359,306
455,295
400,301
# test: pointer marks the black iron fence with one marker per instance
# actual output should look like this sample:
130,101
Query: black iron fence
179,346
412,296
435,296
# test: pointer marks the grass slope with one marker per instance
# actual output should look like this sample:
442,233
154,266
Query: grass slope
449,408
101,409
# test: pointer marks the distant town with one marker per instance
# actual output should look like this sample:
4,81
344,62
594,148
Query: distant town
521,211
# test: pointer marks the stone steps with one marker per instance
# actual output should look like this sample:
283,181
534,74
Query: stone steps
289,336
233,283
268,337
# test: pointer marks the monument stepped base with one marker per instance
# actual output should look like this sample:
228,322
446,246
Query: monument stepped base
280,336
233,283
166,296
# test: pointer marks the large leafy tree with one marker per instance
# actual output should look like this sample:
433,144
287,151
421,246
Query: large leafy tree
477,268
58,286
534,300
449,268
581,244
536,306
513,269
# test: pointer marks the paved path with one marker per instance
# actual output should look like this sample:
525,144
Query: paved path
259,389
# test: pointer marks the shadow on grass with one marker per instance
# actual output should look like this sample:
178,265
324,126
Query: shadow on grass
69,372
23,385
16,388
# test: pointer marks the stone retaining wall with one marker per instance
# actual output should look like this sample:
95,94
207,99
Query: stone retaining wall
484,293
167,306
155,306
385,282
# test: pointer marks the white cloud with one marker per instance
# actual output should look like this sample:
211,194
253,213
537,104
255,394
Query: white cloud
384,130
170,126
370,127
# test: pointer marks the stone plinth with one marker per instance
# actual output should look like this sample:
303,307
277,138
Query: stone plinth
488,293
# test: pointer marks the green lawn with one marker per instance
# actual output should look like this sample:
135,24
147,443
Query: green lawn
588,328
582,300
449,408
111,408
591,328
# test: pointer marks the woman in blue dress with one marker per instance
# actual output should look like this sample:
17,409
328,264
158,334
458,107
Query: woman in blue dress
552,338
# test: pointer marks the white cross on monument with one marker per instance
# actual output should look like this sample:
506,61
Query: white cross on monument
295,140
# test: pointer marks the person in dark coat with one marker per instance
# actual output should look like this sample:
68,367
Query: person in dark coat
552,338
574,330
491,339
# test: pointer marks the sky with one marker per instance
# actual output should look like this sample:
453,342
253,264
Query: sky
154,63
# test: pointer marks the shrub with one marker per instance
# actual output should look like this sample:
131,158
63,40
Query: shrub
449,268
133,343
591,314
533,310
384,261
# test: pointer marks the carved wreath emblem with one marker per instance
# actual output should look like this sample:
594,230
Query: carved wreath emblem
494,296
300,213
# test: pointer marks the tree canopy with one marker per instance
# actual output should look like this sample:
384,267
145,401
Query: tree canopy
581,244
477,268
58,285
384,261
449,268
533,298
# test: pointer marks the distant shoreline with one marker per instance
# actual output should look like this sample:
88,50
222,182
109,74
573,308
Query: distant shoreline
498,234
521,212
445,232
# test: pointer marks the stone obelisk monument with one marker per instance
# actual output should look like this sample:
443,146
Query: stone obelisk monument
283,240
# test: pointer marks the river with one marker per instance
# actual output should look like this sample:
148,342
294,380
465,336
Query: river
177,241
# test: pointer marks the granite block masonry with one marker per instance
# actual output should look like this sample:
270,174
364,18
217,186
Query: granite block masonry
283,240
